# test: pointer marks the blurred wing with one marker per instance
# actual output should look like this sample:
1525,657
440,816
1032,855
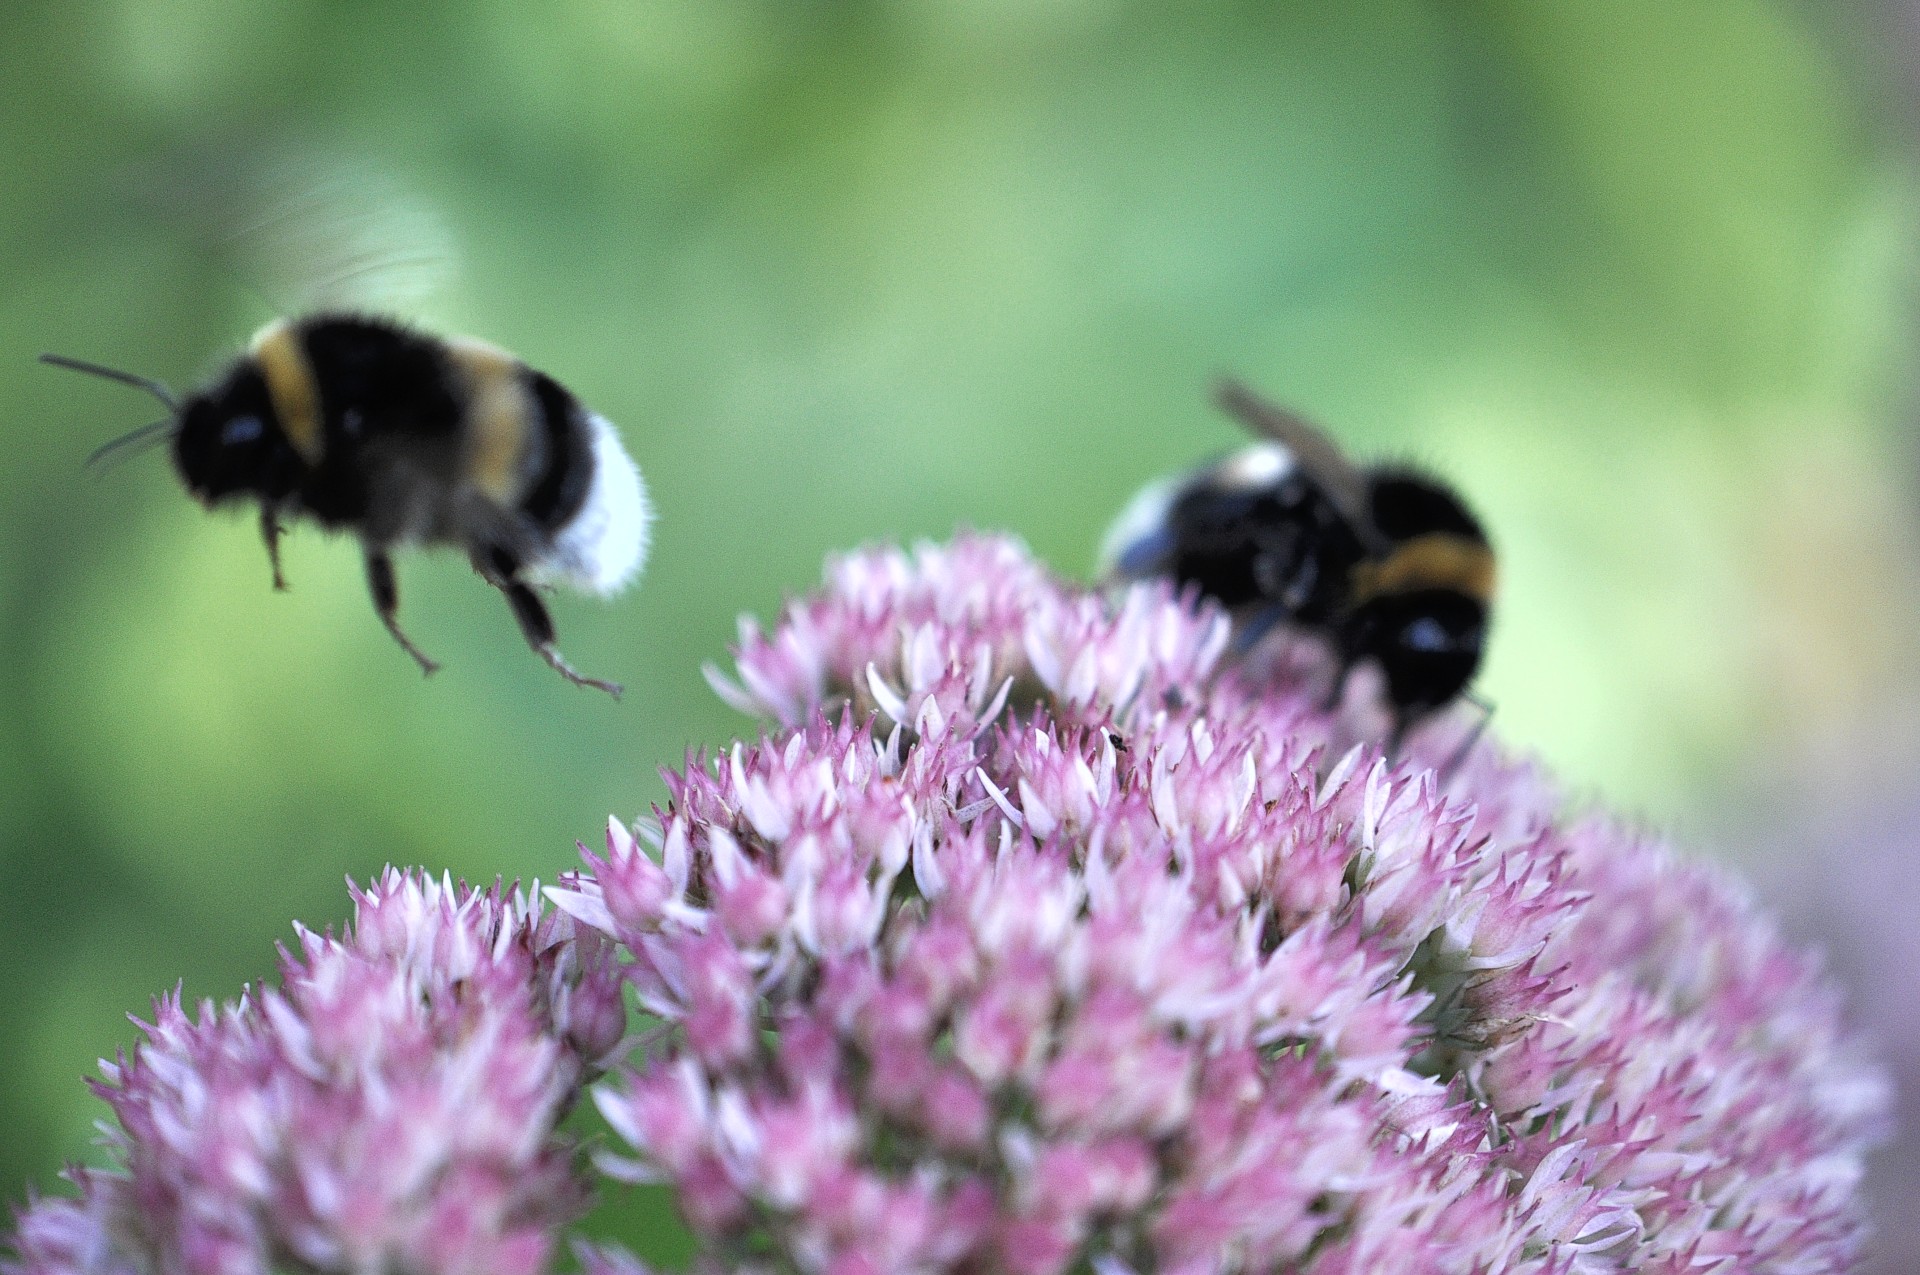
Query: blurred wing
1312,450
344,236
303,228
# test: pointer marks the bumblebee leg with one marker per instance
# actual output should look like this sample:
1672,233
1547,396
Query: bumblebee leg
1397,737
537,625
1256,627
1337,691
270,532
386,600
1473,736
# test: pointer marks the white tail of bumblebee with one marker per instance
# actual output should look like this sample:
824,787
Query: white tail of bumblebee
604,547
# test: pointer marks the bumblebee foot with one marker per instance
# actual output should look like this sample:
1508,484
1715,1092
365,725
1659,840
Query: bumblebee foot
559,665
428,665
501,570
386,601
270,532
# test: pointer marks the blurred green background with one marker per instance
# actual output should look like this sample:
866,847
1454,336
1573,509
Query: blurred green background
1635,274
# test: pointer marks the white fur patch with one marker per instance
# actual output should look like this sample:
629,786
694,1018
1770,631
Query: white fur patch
1139,541
603,548
1260,465
1133,543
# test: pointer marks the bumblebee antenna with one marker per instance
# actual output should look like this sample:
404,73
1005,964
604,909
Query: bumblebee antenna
131,443
156,388
134,441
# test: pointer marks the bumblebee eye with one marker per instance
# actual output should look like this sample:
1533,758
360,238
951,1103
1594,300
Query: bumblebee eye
1426,634
241,430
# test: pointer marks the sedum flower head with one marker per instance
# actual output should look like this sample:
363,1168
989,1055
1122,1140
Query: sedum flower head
1042,937
389,1106
1043,933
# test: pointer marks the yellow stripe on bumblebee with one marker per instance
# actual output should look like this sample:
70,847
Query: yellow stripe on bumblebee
499,410
1434,561
283,363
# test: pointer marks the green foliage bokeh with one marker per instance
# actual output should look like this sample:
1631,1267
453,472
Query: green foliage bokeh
847,271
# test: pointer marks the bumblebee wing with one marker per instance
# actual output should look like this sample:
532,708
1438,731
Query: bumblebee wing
1311,449
343,236
306,228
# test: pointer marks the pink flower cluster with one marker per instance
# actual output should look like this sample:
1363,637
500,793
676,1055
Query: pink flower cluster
390,1106
1041,938
1045,934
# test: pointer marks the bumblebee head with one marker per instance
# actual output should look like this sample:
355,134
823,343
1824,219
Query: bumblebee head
228,445
1427,642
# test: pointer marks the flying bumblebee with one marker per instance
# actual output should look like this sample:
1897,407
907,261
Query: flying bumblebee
1383,562
405,438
